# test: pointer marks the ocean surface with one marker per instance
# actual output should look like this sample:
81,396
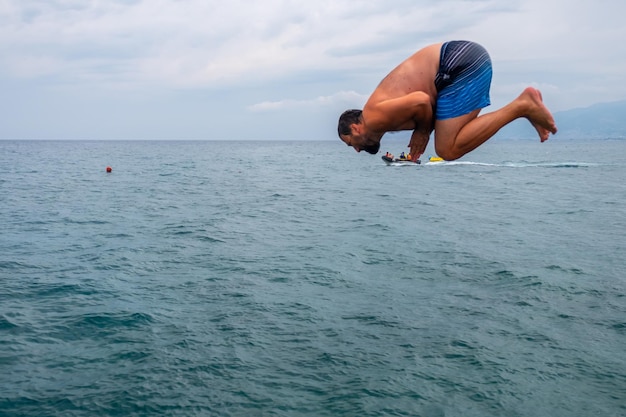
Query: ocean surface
303,279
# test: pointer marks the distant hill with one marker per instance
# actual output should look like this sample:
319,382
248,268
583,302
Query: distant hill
603,120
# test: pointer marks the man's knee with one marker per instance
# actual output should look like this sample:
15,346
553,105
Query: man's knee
446,135
449,152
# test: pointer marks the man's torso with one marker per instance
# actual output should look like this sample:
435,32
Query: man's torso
417,73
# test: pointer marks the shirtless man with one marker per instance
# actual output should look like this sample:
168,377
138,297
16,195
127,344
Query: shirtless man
442,87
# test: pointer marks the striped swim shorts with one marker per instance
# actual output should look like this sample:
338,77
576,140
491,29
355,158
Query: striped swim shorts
463,80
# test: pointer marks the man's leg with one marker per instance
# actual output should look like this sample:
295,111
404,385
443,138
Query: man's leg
457,136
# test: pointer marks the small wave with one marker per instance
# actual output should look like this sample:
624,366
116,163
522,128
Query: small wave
403,164
573,271
109,322
568,165
516,164
7,325
549,164
68,220
372,320
619,327
448,163
53,290
17,266
210,239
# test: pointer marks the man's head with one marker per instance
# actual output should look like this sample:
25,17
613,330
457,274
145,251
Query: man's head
351,131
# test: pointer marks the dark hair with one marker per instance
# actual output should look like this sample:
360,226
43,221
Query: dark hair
347,118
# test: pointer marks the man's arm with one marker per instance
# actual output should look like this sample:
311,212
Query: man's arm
421,134
418,143
409,112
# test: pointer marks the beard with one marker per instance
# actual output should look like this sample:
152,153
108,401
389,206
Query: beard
372,149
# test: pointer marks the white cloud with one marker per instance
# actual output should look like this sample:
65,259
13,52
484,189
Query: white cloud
284,54
343,97
207,43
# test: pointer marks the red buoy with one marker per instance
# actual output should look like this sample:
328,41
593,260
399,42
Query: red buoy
109,169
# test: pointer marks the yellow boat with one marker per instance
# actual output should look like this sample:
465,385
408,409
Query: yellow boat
435,159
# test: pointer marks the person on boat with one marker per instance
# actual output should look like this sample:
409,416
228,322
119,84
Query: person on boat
402,156
442,87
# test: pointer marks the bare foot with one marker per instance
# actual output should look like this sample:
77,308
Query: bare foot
538,114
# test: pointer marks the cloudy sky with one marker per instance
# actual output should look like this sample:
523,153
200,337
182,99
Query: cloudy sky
276,69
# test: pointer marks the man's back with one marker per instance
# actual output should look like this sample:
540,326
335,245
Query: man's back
416,73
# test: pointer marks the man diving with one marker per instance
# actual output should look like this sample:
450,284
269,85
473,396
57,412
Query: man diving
442,87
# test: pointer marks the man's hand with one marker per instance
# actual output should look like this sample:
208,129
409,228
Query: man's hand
419,141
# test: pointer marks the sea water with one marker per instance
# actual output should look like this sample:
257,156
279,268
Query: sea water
302,279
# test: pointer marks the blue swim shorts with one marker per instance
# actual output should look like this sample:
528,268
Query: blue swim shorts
463,80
